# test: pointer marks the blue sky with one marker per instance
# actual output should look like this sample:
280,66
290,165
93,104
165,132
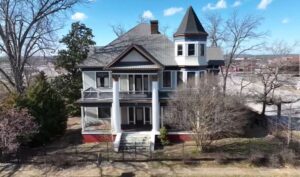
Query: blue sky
281,17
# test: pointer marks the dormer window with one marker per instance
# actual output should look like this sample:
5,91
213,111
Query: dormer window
179,50
191,49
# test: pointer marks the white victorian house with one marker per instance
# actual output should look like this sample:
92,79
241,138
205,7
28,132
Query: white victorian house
126,84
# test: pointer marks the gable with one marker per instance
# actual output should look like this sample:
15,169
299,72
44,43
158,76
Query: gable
134,57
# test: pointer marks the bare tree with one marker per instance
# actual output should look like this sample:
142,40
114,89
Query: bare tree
240,32
118,29
27,28
206,112
269,74
164,30
141,19
215,29
246,79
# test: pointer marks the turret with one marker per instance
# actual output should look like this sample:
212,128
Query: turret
190,41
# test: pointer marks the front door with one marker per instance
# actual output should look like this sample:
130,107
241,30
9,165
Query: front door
139,116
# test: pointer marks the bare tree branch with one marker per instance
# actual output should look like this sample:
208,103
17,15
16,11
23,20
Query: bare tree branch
27,28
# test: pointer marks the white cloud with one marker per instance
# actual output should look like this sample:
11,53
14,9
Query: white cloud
78,16
173,10
236,3
285,20
221,4
264,4
148,15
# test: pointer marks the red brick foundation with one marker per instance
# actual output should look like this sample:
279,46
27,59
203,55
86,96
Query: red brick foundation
175,138
93,138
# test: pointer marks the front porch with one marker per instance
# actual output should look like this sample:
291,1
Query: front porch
97,119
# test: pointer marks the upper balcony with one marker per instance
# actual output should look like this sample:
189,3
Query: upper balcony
93,93
96,94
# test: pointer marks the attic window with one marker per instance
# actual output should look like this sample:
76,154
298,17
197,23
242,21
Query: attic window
191,49
179,50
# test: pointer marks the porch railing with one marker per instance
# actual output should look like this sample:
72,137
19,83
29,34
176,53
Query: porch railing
103,94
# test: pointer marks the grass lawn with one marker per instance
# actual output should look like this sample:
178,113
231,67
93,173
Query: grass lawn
233,147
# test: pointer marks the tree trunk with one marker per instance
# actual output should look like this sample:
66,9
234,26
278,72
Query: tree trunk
264,108
18,76
224,84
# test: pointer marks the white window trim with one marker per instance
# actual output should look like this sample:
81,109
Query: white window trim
134,74
195,51
150,116
182,46
134,118
187,77
162,76
204,46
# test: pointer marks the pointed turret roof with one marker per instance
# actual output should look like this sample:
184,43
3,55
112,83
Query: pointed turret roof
190,25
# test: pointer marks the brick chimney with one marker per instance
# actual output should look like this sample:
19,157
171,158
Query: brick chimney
154,26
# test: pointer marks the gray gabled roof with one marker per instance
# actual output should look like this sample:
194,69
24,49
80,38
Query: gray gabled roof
158,45
190,25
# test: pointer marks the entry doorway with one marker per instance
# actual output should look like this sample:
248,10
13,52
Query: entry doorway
139,116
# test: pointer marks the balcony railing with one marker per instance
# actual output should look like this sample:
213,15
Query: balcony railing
108,94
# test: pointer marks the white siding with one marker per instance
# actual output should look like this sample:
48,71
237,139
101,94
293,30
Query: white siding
186,60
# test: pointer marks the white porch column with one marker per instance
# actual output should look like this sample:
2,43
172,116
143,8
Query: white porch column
155,107
197,77
184,76
116,115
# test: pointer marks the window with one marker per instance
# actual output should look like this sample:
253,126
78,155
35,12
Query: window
102,79
130,82
167,79
146,83
138,83
202,49
179,50
147,115
104,112
191,49
179,78
191,78
131,115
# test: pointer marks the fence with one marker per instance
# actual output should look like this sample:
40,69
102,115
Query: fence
71,155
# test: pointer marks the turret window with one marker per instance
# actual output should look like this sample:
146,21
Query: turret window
179,50
191,49
202,49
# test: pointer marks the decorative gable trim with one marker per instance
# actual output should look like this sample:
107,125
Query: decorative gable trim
143,52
